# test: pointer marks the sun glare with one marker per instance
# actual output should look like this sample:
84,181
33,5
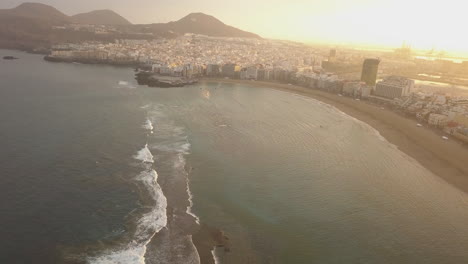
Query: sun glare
421,24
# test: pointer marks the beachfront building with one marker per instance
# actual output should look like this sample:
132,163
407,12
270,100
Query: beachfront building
166,70
461,119
370,68
394,87
249,73
268,73
366,90
252,72
229,70
212,70
461,134
356,89
438,120
261,74
352,88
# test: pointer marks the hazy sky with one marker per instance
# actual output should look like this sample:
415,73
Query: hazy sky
422,23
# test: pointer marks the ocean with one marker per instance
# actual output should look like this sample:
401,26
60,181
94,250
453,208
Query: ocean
96,169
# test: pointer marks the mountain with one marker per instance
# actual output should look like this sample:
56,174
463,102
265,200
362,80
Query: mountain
34,26
36,11
100,17
29,26
199,23
48,14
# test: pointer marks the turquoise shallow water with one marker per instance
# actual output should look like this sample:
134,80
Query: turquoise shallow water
289,179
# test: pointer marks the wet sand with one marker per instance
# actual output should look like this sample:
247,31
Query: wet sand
446,158
206,239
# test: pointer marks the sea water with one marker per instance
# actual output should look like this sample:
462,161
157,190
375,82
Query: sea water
97,169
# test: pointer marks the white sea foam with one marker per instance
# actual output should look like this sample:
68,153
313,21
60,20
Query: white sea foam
125,84
156,219
215,257
145,155
147,226
175,141
148,126
181,164
171,142
177,147
172,139
189,208
129,255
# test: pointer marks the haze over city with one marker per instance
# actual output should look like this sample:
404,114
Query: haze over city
422,24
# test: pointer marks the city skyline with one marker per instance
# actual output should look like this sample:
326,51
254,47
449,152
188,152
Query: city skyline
379,23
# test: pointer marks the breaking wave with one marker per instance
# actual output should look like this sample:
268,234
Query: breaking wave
190,195
148,126
215,256
145,155
169,143
178,144
125,84
148,224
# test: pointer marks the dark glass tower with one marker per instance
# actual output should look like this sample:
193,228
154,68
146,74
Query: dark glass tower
369,71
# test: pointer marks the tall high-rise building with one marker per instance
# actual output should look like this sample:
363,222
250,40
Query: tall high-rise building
370,68
332,56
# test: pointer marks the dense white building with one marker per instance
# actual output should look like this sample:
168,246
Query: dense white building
252,72
437,120
394,87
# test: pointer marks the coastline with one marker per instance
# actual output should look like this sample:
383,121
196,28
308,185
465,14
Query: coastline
447,159
123,64
205,238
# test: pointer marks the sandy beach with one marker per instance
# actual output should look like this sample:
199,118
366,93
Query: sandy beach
446,158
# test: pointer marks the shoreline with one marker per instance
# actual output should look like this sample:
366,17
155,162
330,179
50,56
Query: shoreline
45,53
123,64
447,159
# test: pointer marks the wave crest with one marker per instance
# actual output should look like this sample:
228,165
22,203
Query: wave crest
148,225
